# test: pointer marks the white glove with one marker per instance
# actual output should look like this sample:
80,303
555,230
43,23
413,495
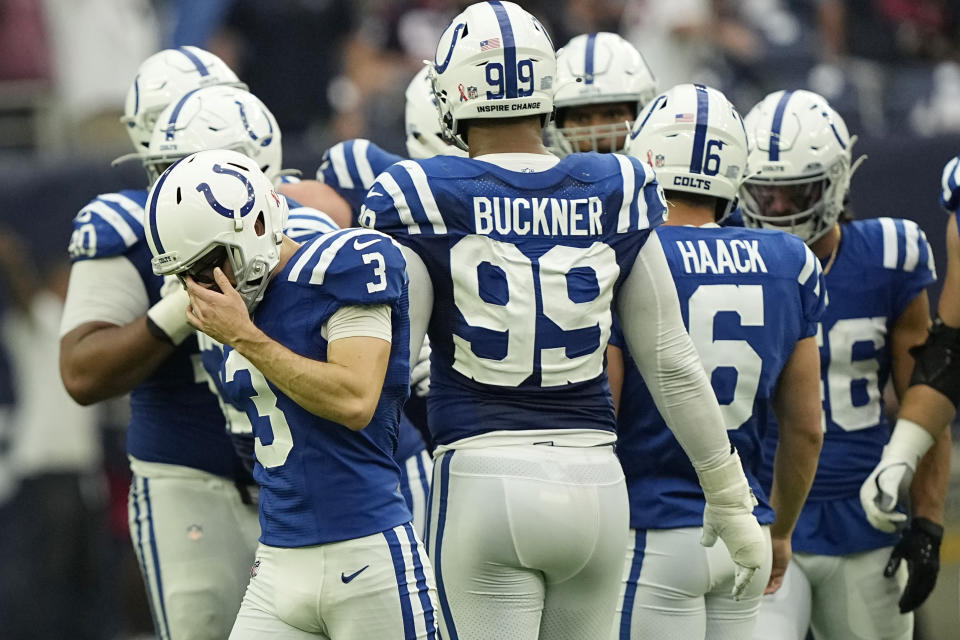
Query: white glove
888,485
729,516
167,319
420,374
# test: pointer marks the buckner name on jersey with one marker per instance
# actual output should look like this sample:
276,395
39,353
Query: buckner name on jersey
538,216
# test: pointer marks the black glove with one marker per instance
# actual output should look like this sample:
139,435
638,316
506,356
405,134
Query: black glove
920,547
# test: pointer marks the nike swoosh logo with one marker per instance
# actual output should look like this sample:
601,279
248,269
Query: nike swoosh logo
360,246
348,578
374,193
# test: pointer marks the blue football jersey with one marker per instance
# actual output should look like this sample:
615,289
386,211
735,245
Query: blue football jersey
747,297
174,419
304,223
319,481
350,168
524,267
881,266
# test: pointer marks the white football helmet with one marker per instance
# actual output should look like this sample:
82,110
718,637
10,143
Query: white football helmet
424,135
593,69
695,141
204,210
495,60
163,78
220,117
799,167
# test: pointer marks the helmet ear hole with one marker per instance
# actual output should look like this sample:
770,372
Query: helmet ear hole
260,227
179,196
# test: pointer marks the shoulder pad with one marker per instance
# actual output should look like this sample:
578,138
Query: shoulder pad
108,226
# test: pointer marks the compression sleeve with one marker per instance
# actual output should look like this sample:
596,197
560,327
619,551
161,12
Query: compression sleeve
420,300
372,321
650,319
103,290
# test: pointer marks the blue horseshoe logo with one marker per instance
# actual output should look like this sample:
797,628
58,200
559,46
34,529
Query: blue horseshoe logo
456,34
246,125
204,188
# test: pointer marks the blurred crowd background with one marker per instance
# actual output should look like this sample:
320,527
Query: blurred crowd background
336,69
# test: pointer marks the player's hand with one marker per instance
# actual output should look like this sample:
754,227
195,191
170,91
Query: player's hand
920,547
886,488
222,314
729,516
420,374
167,319
782,552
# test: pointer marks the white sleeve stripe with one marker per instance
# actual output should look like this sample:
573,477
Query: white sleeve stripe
643,220
889,243
952,168
115,220
338,161
362,163
399,202
809,267
912,234
422,187
931,263
330,252
302,261
626,170
130,206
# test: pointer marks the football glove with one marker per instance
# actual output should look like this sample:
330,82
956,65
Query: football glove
167,319
729,516
920,547
888,485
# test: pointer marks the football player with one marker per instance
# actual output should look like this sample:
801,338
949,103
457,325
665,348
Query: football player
191,522
602,83
928,406
514,257
877,271
324,372
751,300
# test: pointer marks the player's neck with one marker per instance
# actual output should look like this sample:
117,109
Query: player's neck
826,247
288,247
682,214
508,135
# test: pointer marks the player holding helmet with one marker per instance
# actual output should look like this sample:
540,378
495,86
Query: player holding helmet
514,258
751,300
876,271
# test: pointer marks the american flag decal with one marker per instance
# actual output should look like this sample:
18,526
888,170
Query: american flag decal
684,117
492,43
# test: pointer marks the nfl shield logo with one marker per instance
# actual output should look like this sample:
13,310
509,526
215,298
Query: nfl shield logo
659,161
255,569
472,93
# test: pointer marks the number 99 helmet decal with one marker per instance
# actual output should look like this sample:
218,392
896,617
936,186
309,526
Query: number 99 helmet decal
799,165
598,69
216,118
211,207
424,135
695,141
495,60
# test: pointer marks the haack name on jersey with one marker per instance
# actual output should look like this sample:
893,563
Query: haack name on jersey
726,256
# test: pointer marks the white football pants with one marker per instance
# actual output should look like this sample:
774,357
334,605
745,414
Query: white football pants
195,540
415,474
839,598
674,588
527,541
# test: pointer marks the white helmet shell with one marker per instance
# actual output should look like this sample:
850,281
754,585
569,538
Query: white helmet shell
212,200
220,117
695,141
800,146
163,78
424,134
598,68
495,60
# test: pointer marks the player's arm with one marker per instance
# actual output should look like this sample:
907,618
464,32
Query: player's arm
797,407
345,389
320,196
615,374
660,345
107,347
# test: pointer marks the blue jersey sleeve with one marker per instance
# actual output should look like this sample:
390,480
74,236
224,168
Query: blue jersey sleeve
813,291
355,266
399,207
906,252
350,168
304,223
108,226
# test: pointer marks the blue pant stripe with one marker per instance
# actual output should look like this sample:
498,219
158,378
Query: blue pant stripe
422,588
135,499
436,556
162,614
424,479
630,593
406,610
